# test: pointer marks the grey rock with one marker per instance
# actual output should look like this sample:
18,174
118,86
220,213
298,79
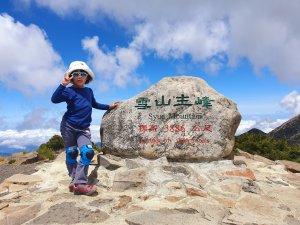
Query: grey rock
7,170
9,197
3,205
109,162
168,216
157,192
245,154
251,187
121,186
239,217
176,170
4,191
70,214
131,164
131,179
23,179
101,202
284,207
212,212
292,178
277,181
197,131
25,157
291,220
47,189
2,218
263,159
92,178
290,166
239,163
19,213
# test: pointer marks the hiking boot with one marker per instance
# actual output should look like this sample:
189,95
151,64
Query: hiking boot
71,186
84,189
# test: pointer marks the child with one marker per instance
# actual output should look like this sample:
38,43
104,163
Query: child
75,123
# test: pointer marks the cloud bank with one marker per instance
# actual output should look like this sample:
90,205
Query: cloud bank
16,139
116,67
39,117
265,125
30,64
292,102
20,139
264,32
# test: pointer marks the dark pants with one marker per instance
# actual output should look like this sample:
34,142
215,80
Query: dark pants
76,137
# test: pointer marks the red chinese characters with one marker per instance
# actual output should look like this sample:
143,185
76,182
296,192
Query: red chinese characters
205,127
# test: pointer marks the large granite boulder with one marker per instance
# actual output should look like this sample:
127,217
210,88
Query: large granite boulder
182,118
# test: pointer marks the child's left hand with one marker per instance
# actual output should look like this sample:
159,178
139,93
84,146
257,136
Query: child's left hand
114,105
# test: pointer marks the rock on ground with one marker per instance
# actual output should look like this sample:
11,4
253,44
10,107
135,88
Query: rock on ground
181,118
141,191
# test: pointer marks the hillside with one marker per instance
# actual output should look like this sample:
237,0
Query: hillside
289,130
255,131
6,151
283,143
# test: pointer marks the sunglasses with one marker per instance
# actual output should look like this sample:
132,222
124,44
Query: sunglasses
78,73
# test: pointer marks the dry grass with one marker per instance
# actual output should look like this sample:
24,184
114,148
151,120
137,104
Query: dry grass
3,160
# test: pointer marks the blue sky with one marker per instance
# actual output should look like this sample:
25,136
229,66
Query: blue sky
247,51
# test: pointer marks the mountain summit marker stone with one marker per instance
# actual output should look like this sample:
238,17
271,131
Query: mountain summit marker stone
181,118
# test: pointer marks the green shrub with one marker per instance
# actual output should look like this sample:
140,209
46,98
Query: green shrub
55,143
96,148
44,152
11,161
49,149
267,147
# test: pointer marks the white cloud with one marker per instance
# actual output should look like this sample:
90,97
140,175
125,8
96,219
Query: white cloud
38,118
115,67
188,37
265,32
245,125
34,137
21,139
292,102
95,132
28,62
265,125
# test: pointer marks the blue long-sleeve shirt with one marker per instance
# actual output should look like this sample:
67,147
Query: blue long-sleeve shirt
80,102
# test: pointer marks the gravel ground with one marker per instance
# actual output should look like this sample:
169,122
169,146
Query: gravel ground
7,170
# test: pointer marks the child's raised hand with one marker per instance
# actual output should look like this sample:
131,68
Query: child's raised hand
67,79
114,105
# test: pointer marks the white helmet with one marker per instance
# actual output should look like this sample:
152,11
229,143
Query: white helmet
79,65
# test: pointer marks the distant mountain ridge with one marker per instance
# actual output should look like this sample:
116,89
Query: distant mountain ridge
6,151
290,130
255,131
